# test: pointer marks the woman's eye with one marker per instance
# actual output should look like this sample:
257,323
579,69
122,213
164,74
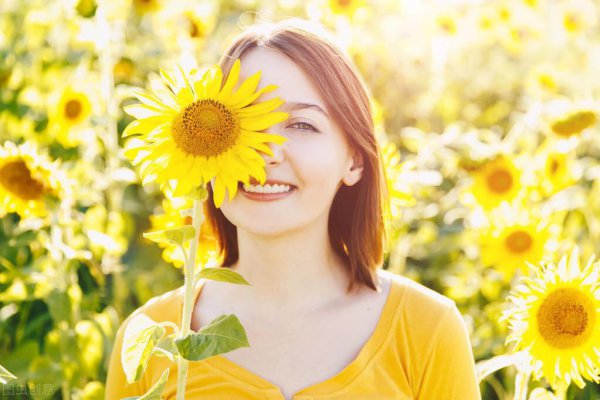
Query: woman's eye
305,126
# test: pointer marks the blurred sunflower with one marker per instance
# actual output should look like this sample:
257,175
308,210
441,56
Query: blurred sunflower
69,109
208,245
556,318
558,170
496,181
200,19
514,237
147,6
345,8
198,130
26,179
574,122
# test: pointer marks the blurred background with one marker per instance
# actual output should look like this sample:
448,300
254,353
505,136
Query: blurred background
487,112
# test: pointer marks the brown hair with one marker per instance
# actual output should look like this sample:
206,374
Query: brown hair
356,226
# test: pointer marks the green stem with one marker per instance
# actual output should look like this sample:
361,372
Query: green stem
186,318
521,381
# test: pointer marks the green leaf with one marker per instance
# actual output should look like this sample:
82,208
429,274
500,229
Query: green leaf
141,336
5,375
225,333
178,235
155,391
166,347
223,275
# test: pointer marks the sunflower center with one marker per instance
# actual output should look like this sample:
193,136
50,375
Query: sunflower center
519,241
500,181
566,318
554,164
73,109
16,178
205,128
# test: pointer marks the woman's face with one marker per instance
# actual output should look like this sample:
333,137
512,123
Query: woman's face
316,158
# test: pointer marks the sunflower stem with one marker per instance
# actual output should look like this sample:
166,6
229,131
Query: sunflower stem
521,382
182,363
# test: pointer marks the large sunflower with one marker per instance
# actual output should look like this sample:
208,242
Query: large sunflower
556,318
208,246
497,180
200,129
27,180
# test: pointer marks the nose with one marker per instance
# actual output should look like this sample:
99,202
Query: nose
277,157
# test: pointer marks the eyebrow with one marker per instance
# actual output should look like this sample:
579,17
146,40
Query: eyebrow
294,106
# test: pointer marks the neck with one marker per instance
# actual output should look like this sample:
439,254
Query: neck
295,271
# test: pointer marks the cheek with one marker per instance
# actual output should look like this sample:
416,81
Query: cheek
318,167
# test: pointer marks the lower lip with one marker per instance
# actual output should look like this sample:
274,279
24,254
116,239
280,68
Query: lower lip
265,196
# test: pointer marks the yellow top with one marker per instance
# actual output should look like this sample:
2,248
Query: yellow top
419,350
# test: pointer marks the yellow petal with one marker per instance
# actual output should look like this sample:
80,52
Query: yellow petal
247,88
231,81
264,122
260,108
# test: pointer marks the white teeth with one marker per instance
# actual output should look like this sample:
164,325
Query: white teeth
267,188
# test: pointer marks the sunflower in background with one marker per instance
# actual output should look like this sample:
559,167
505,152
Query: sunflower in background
557,168
208,245
556,318
27,180
573,123
514,237
196,131
345,8
68,110
495,181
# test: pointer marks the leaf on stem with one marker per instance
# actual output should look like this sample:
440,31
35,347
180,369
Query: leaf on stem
223,275
140,338
154,393
5,375
225,333
178,235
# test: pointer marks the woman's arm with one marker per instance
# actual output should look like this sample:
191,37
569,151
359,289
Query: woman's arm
449,371
116,382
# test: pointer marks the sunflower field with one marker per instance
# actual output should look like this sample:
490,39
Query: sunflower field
487,115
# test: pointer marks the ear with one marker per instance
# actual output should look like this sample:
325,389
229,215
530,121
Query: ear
355,169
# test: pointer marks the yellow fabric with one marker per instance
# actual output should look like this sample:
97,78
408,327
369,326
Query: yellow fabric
419,350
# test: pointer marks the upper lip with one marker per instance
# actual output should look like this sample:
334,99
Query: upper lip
270,182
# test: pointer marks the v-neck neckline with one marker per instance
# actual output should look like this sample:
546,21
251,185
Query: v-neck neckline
335,383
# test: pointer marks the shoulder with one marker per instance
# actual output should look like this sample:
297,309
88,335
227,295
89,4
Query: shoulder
160,308
420,311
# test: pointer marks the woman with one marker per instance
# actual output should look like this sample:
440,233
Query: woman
322,318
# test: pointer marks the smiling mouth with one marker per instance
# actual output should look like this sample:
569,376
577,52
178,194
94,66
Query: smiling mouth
265,196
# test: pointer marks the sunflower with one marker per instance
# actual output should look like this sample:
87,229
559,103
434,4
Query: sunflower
27,180
147,6
73,108
496,181
345,7
208,246
515,237
69,109
198,130
557,172
556,318
574,122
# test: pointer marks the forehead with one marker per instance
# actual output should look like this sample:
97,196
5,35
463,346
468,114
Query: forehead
293,85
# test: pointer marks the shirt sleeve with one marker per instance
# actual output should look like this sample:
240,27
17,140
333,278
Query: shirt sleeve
449,371
116,381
